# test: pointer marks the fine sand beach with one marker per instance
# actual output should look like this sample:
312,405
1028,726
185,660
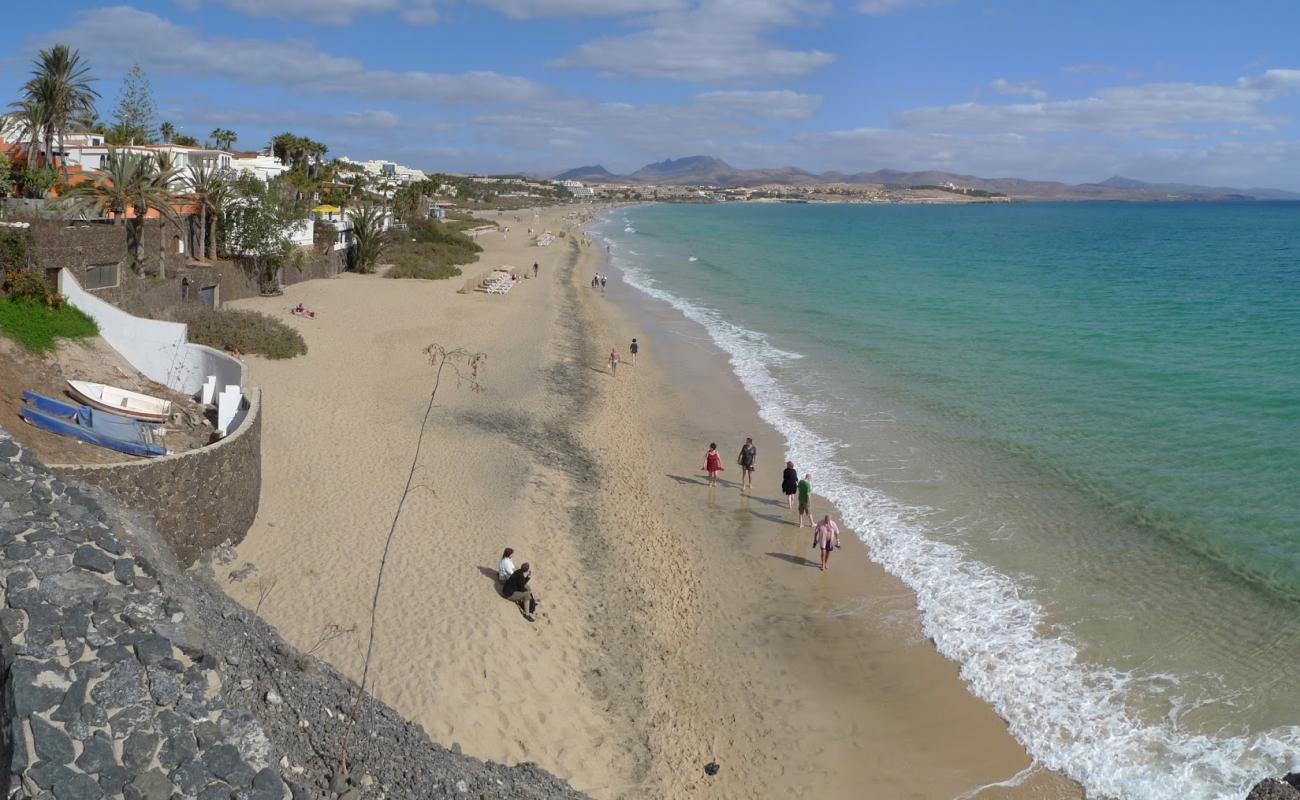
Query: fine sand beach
679,625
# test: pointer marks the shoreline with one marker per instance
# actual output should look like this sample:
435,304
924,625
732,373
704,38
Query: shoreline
671,634
837,620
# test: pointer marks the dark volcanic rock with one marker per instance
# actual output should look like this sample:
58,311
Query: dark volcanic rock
1274,789
177,691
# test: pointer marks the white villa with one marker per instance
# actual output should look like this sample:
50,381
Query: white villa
89,152
263,166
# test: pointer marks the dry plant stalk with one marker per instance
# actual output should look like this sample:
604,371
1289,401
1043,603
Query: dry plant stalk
465,365
329,633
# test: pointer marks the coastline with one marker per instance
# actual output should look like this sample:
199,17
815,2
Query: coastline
679,625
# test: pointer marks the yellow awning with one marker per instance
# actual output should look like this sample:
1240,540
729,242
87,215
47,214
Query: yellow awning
326,210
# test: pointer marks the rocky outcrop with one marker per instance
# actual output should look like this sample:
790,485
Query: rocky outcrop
1287,788
125,677
105,692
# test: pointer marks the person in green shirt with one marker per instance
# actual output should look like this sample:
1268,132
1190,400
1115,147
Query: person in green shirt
805,499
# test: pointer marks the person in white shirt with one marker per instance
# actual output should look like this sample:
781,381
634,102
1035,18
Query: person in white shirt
826,537
507,567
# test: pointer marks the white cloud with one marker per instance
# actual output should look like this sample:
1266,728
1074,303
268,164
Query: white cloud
1018,88
530,9
329,12
718,41
879,8
1274,80
120,35
776,104
1154,110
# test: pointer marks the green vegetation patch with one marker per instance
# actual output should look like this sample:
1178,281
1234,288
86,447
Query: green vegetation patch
429,250
245,331
38,327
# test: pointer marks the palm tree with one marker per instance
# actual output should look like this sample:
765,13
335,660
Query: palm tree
29,118
368,230
164,173
207,186
61,83
126,182
167,131
223,138
110,193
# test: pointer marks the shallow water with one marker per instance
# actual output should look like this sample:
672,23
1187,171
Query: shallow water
1071,428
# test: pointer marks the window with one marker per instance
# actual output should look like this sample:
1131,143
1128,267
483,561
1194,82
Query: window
99,276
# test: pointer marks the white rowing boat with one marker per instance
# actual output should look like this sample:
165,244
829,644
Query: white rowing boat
121,401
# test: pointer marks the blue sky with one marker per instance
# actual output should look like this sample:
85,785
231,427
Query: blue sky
1198,92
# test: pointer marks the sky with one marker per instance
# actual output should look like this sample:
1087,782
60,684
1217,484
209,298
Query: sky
1072,90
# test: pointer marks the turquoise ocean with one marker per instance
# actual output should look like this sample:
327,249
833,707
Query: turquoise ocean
1072,429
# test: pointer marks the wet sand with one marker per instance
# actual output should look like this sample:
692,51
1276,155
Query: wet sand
680,625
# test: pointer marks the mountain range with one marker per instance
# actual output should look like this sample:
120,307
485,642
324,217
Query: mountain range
710,171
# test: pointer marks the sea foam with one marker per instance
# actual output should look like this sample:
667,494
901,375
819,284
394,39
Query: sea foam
1071,716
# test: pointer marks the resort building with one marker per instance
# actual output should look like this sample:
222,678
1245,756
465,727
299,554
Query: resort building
263,166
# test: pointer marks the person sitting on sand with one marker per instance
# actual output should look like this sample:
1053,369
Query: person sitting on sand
516,591
507,567
301,310
713,463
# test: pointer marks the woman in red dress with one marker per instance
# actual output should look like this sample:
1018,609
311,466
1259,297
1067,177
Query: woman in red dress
713,463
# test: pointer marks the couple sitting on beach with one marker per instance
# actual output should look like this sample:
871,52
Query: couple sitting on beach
514,584
301,310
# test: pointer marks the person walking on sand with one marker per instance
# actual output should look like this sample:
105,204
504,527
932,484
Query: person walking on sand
516,591
613,362
632,349
826,537
507,567
713,463
534,269
805,498
790,483
748,459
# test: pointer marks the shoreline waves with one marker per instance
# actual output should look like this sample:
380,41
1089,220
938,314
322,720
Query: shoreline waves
678,626
1072,715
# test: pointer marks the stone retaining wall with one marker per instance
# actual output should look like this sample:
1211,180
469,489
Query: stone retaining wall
76,244
122,676
199,499
105,693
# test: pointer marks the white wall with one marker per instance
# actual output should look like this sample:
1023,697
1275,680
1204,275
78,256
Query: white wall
303,233
157,349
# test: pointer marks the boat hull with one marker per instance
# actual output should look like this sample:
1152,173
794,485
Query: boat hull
110,431
134,405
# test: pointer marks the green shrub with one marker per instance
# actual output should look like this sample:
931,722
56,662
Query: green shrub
245,331
15,248
425,271
26,284
36,182
38,327
429,250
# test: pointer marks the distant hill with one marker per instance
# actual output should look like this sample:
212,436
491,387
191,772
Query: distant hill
595,173
711,171
1186,188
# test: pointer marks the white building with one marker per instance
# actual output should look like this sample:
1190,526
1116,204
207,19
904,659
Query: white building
263,166
578,189
91,156
387,170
